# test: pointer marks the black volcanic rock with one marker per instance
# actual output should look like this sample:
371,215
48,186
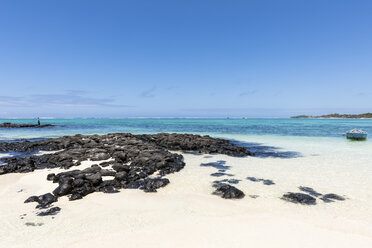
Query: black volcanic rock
43,200
333,197
133,159
227,191
299,198
121,176
120,167
64,188
13,125
51,211
51,176
151,185
202,144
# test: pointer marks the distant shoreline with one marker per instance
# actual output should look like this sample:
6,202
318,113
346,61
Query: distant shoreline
335,116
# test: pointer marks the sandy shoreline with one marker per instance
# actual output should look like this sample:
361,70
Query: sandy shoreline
185,214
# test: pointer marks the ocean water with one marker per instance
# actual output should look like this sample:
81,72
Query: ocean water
288,128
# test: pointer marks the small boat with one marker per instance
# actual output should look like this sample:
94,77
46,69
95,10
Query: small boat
356,134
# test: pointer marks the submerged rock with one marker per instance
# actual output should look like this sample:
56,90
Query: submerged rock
299,198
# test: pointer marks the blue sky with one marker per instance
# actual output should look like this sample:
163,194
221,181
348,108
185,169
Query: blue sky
184,58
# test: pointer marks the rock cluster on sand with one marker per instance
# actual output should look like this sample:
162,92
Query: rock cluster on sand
13,125
227,191
299,198
310,198
133,160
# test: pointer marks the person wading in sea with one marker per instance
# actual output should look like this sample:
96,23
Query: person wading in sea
38,121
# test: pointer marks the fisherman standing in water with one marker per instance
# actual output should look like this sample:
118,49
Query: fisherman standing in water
38,121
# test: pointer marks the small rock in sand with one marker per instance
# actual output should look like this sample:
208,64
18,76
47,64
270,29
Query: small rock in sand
227,191
299,198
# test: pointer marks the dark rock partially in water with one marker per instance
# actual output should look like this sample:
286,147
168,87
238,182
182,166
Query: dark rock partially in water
201,144
139,150
299,198
227,191
13,125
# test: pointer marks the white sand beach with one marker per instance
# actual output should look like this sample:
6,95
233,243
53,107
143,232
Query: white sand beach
186,214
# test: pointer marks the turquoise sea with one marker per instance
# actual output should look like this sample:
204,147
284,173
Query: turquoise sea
332,128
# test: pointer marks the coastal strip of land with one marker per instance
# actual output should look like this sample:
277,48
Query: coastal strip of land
14,125
335,116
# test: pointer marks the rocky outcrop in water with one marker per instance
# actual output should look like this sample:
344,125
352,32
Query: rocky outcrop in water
134,161
201,144
13,125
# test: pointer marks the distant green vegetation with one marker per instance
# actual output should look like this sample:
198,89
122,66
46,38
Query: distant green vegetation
343,116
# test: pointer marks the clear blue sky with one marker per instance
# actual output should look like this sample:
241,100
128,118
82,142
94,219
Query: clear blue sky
77,58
